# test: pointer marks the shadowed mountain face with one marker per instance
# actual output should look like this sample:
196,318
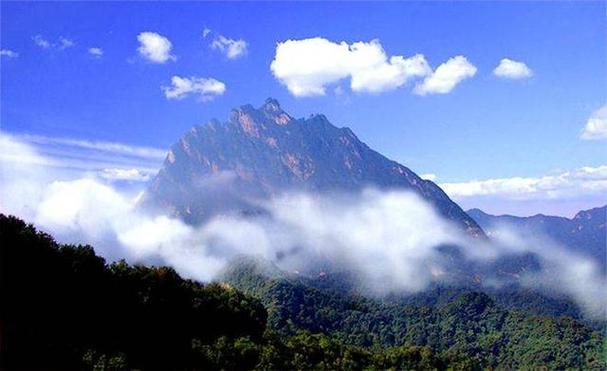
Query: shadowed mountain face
259,153
584,233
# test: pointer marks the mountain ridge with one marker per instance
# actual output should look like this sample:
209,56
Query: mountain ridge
585,232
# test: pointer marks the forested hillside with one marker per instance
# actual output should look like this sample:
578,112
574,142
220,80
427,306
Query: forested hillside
471,325
65,308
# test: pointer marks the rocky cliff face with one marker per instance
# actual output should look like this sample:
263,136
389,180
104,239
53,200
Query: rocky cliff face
261,152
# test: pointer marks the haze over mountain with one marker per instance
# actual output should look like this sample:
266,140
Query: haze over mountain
585,232
259,153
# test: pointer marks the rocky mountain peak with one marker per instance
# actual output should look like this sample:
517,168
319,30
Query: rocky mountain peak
271,109
271,105
252,120
263,152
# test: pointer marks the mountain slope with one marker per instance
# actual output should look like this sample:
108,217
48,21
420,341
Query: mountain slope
584,233
261,152
470,323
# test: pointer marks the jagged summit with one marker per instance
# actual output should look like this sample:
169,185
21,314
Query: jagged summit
271,105
270,112
261,152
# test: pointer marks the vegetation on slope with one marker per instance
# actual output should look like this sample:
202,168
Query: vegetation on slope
66,308
471,326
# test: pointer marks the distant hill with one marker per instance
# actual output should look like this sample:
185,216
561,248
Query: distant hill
261,152
584,233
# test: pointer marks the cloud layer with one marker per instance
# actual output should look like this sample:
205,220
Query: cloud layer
390,238
509,69
155,47
564,193
108,160
566,184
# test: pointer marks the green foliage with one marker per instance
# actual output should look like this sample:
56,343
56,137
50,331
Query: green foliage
467,331
63,307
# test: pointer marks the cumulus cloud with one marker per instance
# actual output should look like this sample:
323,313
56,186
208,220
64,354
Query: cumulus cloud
155,47
205,88
96,52
41,42
446,76
390,237
61,44
75,206
307,66
21,181
65,43
596,126
231,48
509,69
8,53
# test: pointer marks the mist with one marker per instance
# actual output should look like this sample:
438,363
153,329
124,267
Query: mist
393,239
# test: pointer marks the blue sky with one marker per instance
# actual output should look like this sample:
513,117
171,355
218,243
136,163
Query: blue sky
484,128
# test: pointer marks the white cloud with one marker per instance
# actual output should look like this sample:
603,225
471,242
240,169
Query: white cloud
21,181
41,42
61,44
104,146
391,75
135,175
206,32
81,205
65,43
155,47
428,176
596,126
567,184
510,69
307,66
446,76
96,52
8,53
205,88
77,158
231,48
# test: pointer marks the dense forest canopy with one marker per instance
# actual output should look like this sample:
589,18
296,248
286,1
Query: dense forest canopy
65,307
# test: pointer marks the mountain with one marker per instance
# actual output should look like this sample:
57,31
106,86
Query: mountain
584,233
259,153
